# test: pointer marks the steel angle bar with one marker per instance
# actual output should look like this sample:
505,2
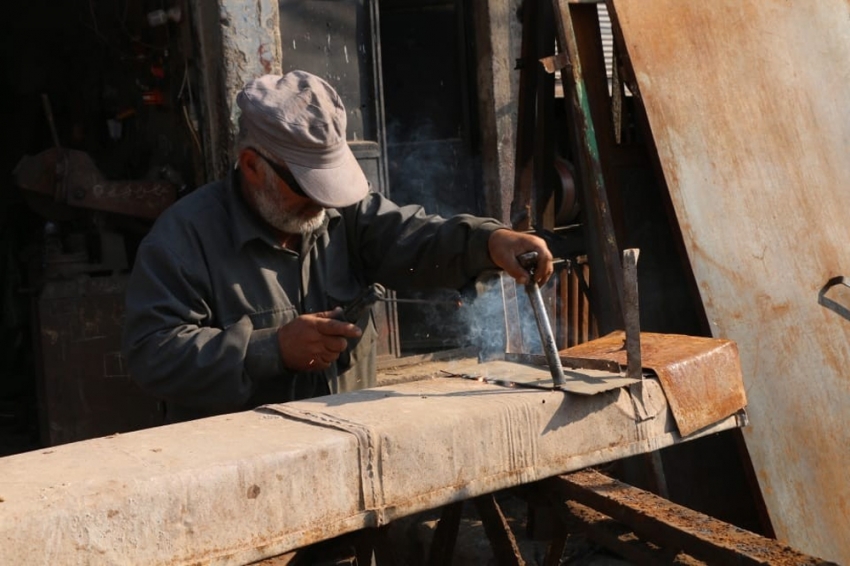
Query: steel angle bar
667,524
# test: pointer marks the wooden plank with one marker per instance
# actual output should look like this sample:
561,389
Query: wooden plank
748,108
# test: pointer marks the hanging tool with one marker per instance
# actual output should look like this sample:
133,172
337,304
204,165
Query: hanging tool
529,262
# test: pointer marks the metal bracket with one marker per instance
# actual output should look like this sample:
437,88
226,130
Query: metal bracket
831,304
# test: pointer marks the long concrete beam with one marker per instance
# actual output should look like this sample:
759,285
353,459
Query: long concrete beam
239,488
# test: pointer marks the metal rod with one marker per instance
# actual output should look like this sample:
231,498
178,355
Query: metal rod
631,313
546,336
456,303
528,261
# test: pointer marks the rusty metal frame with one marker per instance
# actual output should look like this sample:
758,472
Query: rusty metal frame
666,524
603,253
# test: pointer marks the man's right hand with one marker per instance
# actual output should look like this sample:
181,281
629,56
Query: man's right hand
312,342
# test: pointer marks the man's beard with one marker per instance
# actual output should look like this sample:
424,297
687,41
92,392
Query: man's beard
271,208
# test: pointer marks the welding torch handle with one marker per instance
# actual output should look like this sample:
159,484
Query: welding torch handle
363,302
528,261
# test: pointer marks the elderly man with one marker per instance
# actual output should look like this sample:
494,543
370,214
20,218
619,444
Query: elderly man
231,303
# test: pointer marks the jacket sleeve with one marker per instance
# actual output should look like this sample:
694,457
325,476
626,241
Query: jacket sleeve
173,349
405,248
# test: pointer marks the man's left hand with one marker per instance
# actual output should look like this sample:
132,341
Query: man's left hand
505,245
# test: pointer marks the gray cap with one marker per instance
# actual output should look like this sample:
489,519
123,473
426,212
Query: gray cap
299,120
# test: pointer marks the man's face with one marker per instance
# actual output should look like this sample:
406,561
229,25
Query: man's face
281,207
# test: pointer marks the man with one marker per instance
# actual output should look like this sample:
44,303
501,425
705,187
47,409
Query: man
231,303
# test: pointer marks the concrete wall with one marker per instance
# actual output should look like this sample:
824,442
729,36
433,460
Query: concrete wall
237,41
498,37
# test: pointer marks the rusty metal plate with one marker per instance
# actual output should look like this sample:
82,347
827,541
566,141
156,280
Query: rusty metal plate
747,104
691,370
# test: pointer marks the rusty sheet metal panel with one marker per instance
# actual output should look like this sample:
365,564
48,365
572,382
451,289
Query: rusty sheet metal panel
691,370
239,488
747,103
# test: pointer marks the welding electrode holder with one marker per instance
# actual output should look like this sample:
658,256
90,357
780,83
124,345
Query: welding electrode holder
363,302
528,261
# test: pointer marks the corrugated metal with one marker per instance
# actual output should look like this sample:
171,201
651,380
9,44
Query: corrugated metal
747,102
607,40
239,488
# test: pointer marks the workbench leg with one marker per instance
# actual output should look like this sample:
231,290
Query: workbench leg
373,547
445,535
505,549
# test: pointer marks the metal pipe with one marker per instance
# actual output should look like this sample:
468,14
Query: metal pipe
528,261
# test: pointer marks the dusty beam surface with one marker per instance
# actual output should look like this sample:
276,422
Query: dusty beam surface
239,488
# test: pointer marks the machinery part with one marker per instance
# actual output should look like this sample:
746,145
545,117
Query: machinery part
528,261
71,177
560,183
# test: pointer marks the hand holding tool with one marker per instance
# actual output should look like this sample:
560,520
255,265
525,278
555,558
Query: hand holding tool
363,302
529,261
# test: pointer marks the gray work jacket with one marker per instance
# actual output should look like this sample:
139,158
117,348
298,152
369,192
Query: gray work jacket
211,284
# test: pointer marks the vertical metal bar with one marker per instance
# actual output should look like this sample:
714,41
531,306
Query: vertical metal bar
575,302
607,281
523,203
631,313
563,309
544,136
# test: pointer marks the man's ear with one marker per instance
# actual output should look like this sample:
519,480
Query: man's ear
249,161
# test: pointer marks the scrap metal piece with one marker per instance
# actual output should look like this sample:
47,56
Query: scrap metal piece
631,314
692,370
842,291
517,375
496,381
760,253
670,525
619,538
574,362
631,319
555,63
